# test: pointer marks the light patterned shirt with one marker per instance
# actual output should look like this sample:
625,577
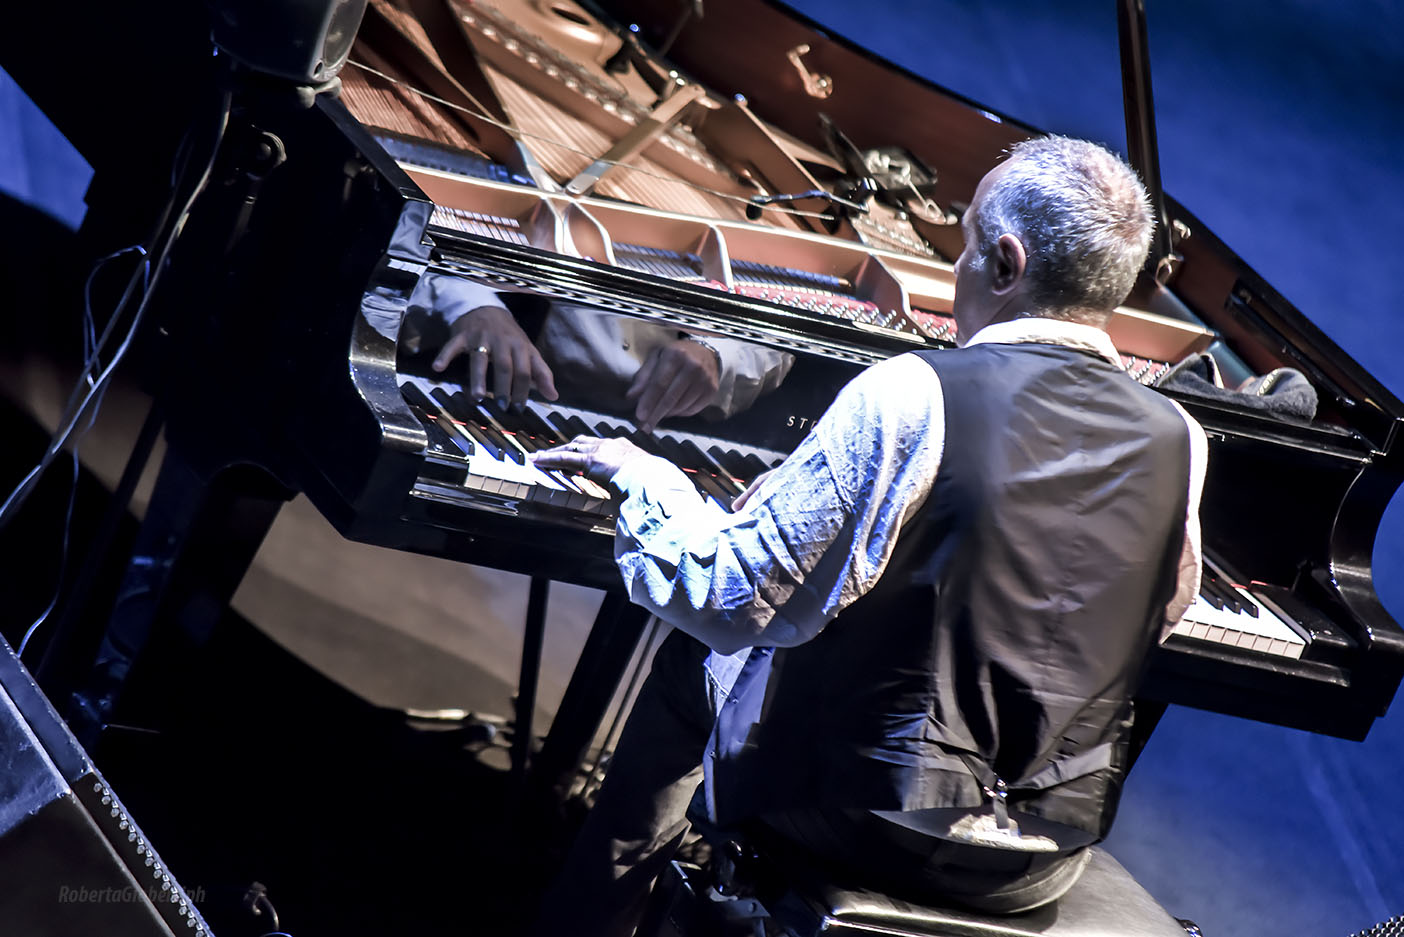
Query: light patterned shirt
820,529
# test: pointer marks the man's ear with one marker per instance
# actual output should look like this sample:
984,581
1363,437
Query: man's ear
1009,264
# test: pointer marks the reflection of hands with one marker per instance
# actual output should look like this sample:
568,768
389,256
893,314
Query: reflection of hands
677,379
598,459
490,334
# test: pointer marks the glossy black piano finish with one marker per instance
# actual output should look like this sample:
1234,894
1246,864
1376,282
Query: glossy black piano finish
1289,505
1292,508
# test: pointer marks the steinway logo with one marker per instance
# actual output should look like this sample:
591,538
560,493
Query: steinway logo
803,422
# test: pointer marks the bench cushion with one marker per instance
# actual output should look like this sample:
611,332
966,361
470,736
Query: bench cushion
1105,902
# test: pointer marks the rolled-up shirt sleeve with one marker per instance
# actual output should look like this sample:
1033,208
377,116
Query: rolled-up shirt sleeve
454,297
816,535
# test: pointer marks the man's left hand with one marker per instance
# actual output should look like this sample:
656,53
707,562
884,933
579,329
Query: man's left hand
678,379
597,459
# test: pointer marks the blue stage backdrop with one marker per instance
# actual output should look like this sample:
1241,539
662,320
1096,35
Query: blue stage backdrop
1280,128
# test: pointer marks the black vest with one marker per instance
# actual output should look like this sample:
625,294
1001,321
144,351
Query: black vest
1010,629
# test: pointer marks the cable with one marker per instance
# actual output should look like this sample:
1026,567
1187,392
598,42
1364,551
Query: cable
92,349
67,527
91,401
74,409
63,561
518,133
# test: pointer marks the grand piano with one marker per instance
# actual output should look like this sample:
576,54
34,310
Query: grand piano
649,169
545,152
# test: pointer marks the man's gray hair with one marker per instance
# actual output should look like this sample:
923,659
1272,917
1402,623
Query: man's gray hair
1082,215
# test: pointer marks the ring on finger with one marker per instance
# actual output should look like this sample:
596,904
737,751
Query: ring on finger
483,350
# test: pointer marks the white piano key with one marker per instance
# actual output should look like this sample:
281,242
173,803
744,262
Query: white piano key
1265,632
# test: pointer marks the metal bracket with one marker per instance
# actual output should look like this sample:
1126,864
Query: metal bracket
815,84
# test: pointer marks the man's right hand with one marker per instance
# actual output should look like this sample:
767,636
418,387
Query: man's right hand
489,335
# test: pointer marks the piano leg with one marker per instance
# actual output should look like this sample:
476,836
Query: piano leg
532,639
1148,713
76,633
603,661
199,536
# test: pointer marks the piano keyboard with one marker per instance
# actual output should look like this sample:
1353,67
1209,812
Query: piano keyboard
482,453
1224,613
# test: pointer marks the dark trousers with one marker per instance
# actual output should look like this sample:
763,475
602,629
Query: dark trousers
639,820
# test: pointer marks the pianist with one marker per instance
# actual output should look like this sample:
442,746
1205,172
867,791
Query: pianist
911,648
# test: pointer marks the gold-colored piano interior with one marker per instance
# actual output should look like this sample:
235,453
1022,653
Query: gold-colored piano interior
821,275
664,196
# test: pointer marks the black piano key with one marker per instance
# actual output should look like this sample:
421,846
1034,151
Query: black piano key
454,404
731,463
492,418
709,486
570,424
1245,601
647,443
443,420
668,449
455,433
558,419
705,465
607,430
514,423
664,449
489,426
462,419
490,446
1207,593
678,454
524,438
446,442
1210,583
521,446
417,397
544,432
754,465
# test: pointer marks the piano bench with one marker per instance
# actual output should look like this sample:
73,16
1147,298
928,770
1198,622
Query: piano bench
1105,902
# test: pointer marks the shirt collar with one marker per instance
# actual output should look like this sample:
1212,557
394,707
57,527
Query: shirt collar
1049,332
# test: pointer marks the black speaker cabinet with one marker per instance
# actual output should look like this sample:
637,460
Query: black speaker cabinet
72,861
306,41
